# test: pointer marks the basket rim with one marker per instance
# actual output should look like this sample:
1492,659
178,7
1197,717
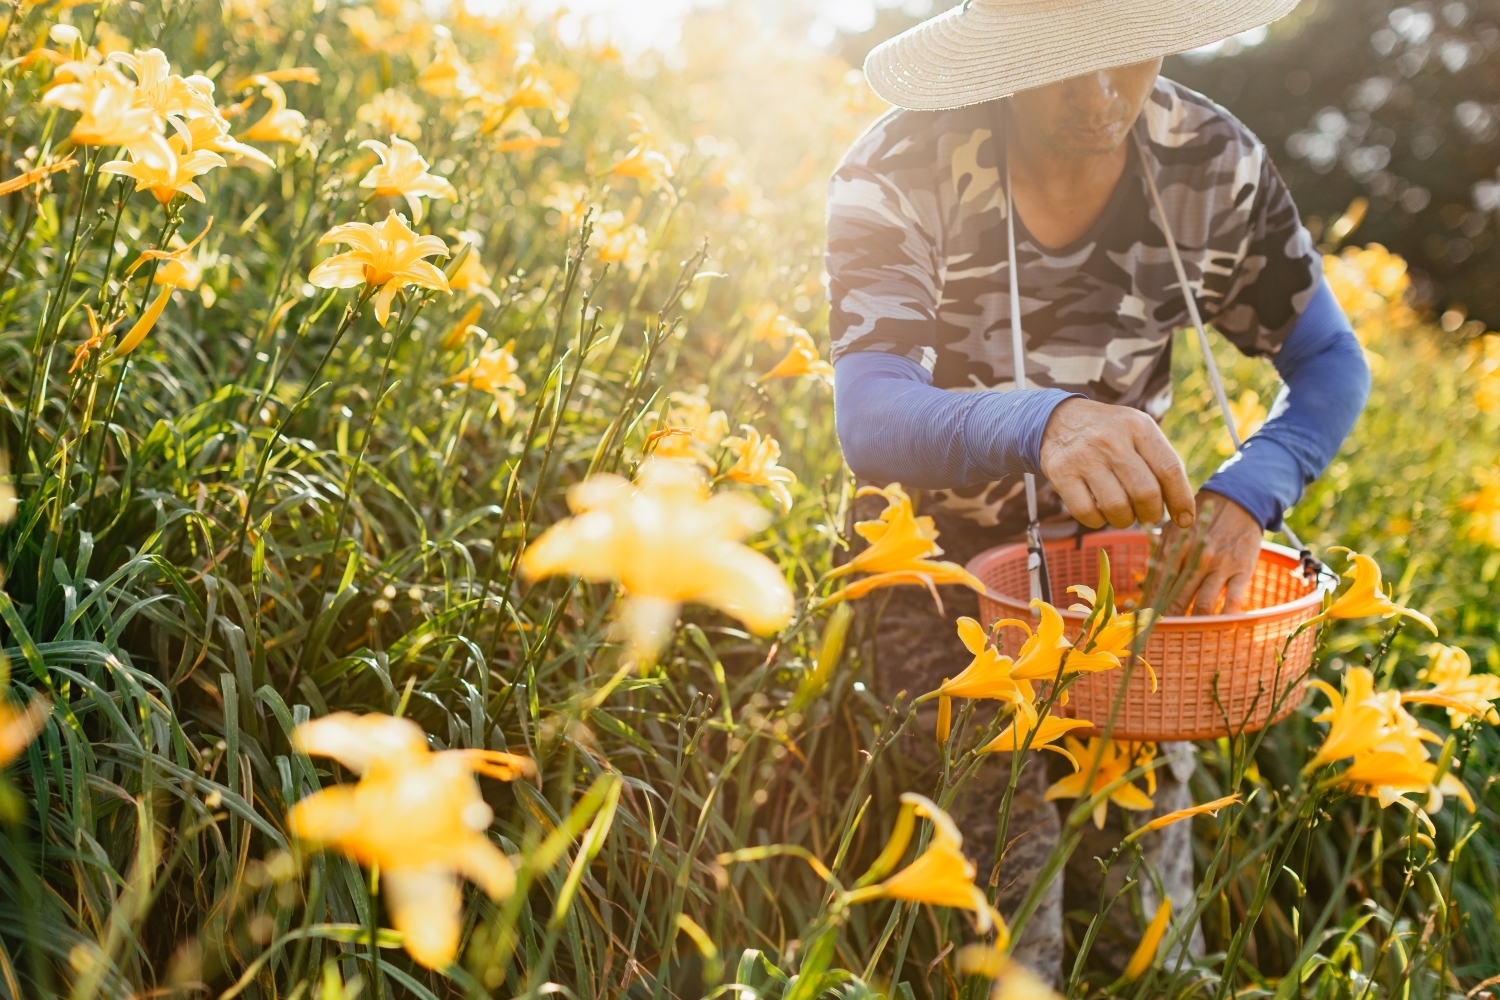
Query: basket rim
1290,556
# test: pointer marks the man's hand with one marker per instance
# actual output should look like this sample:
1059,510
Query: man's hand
1231,547
1113,464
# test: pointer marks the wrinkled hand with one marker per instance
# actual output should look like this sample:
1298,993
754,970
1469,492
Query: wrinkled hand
1113,464
1231,546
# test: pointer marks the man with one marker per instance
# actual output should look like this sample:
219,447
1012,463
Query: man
1065,97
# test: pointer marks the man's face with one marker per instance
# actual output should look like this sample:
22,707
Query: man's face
1087,115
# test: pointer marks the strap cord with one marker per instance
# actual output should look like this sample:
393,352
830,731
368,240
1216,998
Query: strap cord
1311,567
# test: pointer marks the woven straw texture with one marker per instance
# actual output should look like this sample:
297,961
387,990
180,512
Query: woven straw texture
999,47
1233,656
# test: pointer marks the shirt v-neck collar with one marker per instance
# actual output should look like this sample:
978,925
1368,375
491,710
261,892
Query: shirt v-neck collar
1129,185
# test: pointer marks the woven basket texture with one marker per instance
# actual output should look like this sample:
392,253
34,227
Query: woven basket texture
1217,674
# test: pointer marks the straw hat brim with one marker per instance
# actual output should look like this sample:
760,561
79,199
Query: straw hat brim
1000,47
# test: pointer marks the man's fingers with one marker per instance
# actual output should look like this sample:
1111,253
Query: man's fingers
1111,498
1184,599
1079,501
1235,593
1207,600
1152,446
1141,486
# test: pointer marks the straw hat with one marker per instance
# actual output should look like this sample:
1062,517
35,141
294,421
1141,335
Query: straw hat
987,49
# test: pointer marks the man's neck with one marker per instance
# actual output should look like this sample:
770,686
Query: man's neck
1058,196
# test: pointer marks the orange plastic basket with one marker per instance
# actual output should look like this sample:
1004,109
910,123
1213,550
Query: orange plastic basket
1195,657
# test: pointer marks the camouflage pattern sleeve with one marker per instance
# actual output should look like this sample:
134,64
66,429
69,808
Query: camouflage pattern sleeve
1277,274
884,260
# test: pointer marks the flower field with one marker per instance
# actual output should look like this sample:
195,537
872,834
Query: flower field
429,569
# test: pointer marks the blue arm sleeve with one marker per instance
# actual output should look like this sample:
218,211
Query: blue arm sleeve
895,427
1326,383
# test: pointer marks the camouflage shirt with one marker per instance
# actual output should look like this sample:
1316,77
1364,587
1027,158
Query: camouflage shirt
917,263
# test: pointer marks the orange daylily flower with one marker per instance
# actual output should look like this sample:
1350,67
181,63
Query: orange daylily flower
388,256
1389,774
19,727
755,464
1044,736
402,172
1114,759
802,359
1150,943
666,542
33,176
175,271
941,876
1358,719
1484,505
1456,687
899,550
1365,599
989,674
1178,815
415,814
462,328
494,372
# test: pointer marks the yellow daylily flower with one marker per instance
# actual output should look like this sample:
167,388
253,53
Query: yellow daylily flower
989,675
164,92
157,168
211,133
1456,687
448,74
1484,505
402,172
1044,736
35,176
388,256
19,727
463,327
570,202
391,112
109,114
941,876
666,542
900,544
755,464
416,815
1365,599
280,123
620,241
175,271
533,90
93,343
691,428
494,372
645,164
1178,815
1114,760
1150,943
1013,981
473,276
518,135
802,359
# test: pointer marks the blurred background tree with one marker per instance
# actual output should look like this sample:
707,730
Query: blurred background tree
1398,103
